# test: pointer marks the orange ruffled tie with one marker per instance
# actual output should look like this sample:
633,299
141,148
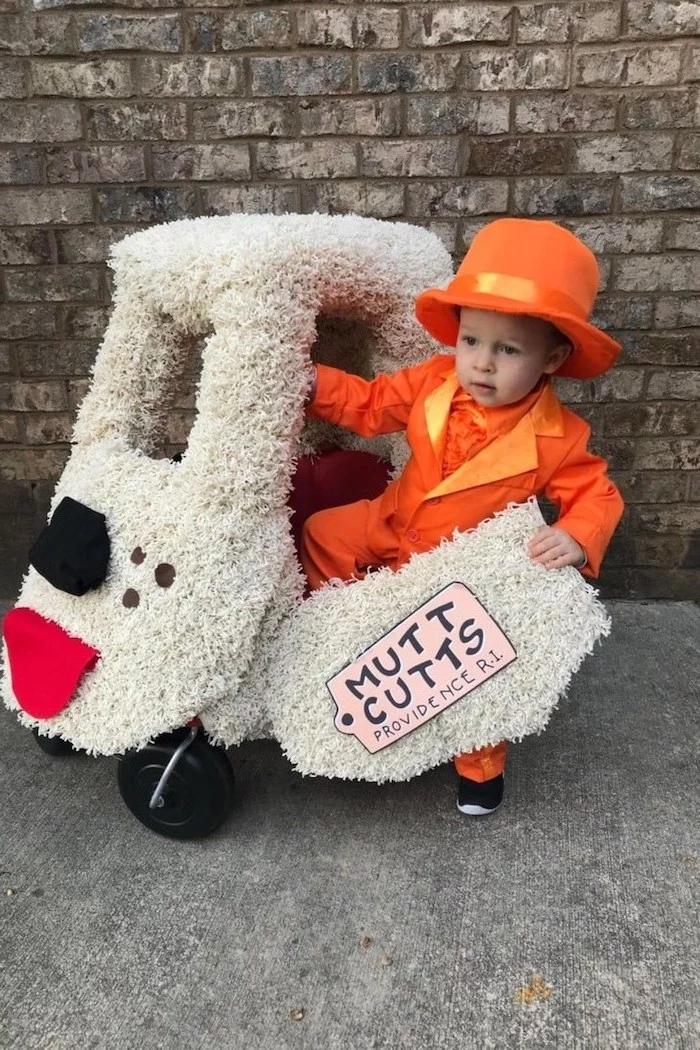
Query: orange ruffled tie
466,433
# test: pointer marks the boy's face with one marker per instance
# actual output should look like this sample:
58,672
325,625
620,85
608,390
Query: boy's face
500,358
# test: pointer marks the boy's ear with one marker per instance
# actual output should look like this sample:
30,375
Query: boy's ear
557,356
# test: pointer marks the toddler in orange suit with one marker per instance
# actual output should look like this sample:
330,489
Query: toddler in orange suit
484,427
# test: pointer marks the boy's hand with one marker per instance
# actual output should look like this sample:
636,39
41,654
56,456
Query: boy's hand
555,548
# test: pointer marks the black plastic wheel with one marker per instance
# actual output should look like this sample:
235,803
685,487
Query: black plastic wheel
197,797
55,746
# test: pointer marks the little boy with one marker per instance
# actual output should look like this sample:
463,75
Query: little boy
484,427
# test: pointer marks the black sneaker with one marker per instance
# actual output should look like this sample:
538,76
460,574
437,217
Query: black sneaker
478,800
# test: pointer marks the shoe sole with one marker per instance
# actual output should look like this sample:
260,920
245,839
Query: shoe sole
477,811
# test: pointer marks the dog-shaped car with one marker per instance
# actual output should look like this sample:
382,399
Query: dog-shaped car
164,615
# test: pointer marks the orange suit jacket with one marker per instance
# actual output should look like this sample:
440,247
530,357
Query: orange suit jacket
545,453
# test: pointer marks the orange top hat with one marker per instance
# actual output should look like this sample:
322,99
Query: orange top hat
527,266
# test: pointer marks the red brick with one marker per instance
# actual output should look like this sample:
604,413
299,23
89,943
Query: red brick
491,69
13,79
436,25
407,73
230,161
44,34
572,111
683,233
436,114
619,384
265,29
11,433
680,383
258,197
25,464
136,121
674,312
86,322
106,78
666,518
40,122
190,76
660,192
403,157
672,349
380,200
375,28
364,116
599,21
622,153
659,550
618,67
146,204
650,583
651,486
318,159
90,243
96,164
24,247
648,418
671,108
456,197
30,321
301,75
56,284
55,205
563,195
49,429
661,18
658,272
613,234
22,395
675,454
519,156
49,359
116,32
224,119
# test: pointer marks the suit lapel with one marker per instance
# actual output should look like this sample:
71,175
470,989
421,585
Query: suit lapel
437,411
430,431
514,452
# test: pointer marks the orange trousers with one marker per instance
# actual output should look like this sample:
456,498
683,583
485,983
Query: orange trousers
335,545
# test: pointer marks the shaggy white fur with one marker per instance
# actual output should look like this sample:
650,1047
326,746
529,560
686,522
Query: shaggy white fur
231,640
552,619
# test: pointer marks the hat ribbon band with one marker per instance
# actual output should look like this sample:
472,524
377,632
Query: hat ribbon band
520,290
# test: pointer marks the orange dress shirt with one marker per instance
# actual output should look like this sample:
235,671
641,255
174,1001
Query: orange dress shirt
470,426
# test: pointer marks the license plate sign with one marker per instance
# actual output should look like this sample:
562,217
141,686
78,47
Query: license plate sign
439,654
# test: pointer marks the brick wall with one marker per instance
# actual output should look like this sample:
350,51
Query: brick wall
442,114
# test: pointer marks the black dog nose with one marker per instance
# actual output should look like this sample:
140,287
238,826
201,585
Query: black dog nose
72,552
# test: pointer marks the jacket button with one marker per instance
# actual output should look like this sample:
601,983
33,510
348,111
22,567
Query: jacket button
413,535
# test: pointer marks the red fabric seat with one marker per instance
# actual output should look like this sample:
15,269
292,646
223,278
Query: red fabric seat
332,479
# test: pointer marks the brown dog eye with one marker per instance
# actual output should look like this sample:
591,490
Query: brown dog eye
130,598
165,574
137,556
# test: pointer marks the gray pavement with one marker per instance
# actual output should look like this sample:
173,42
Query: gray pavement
567,920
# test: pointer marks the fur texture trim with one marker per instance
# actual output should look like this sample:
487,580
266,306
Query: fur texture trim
552,619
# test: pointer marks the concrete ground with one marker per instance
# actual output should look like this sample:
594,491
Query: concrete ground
328,915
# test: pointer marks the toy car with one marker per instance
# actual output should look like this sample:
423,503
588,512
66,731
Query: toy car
164,615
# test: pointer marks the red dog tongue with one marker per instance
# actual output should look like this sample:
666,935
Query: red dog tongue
46,663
